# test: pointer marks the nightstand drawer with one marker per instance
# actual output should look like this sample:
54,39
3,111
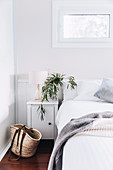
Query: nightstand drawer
46,127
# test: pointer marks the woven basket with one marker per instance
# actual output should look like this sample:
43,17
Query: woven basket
30,142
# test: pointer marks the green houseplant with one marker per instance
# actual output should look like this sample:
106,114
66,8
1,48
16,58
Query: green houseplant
51,88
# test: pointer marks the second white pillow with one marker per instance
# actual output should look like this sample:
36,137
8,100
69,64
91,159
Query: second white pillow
86,89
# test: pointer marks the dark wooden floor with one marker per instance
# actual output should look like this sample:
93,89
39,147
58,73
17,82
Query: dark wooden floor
38,162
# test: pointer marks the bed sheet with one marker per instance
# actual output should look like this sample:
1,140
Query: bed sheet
88,153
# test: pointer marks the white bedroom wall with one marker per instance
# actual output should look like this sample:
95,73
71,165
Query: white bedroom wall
34,51
7,116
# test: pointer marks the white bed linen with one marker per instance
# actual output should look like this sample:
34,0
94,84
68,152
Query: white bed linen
84,152
75,109
88,153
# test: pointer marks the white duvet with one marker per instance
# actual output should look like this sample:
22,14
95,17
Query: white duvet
75,109
84,152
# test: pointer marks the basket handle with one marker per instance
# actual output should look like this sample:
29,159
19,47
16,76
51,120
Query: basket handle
19,130
27,129
23,135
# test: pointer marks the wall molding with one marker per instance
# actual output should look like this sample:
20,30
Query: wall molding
23,81
4,150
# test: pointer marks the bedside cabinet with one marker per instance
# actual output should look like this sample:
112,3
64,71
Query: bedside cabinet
47,126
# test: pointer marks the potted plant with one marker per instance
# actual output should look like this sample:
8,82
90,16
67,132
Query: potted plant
51,88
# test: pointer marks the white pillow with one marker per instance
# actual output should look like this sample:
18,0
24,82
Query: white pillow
86,89
69,93
105,91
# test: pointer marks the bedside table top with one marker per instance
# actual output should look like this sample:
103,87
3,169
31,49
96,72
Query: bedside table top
33,102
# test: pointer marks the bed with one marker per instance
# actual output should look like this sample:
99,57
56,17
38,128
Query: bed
92,150
85,152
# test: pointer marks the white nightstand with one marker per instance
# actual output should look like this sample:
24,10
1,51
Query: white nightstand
47,127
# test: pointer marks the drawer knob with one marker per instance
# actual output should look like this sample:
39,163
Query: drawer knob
49,123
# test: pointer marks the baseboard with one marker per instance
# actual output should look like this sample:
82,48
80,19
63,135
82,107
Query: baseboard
4,150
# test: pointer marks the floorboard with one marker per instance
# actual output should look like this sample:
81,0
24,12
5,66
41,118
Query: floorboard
39,161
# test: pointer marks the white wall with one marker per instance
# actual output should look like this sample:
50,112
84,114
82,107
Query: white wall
33,44
6,72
